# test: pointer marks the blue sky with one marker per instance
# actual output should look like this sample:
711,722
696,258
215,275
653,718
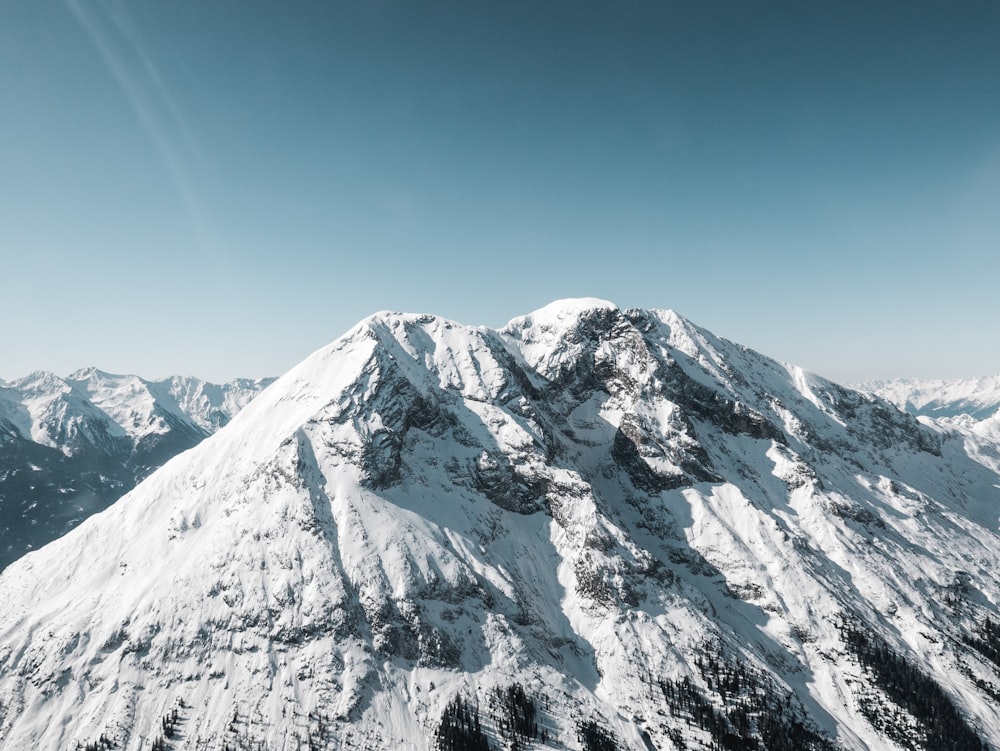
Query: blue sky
220,188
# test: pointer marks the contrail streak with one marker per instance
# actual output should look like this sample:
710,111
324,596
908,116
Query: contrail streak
121,46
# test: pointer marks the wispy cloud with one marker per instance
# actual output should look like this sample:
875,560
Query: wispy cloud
121,45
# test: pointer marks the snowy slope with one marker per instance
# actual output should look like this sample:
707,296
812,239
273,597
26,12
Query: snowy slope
69,447
664,539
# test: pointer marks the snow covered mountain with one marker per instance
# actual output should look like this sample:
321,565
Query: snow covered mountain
979,398
70,447
592,529
969,407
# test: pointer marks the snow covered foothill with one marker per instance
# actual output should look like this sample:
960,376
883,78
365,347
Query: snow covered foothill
665,539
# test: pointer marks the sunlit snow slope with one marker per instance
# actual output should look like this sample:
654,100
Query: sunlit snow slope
611,522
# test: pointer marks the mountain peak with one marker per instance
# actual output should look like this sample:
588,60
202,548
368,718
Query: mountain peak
90,373
560,313
40,381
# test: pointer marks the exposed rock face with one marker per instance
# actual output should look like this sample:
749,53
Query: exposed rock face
71,447
612,522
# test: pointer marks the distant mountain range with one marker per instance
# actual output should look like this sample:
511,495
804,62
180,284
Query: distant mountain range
592,529
72,446
977,398
967,407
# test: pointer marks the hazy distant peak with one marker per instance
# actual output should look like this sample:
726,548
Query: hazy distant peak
91,373
978,398
39,380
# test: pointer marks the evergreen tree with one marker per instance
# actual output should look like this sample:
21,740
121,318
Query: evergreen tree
460,729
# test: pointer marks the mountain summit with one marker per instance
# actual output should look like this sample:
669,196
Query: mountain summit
594,528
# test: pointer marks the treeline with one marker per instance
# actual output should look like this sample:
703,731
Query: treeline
942,727
745,712
168,730
460,728
986,640
514,717
101,744
594,737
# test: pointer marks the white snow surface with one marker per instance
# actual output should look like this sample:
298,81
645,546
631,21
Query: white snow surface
585,502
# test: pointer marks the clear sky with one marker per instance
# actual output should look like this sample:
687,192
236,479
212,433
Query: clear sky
220,188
